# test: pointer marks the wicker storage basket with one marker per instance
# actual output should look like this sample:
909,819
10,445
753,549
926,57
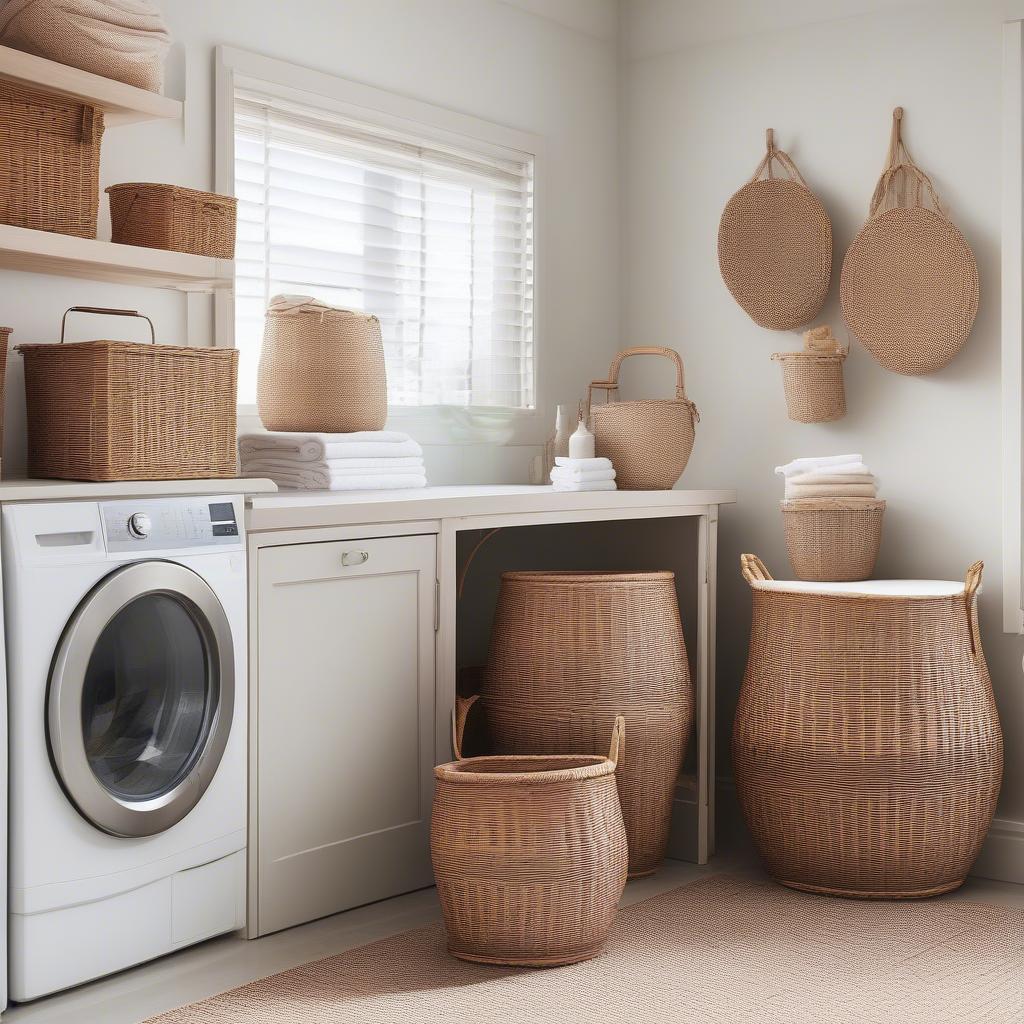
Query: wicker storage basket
121,39
49,162
649,442
833,539
321,368
775,246
569,652
909,286
529,855
171,217
113,410
866,747
813,381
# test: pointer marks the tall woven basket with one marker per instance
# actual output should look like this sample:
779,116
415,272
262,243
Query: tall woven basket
569,652
650,441
833,539
866,747
529,854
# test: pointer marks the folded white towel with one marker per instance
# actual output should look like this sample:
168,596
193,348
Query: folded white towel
584,485
564,473
820,462
313,447
854,473
563,462
334,467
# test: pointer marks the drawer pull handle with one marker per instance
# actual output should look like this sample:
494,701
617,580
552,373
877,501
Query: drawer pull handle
354,557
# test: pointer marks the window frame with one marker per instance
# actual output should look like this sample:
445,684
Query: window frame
430,424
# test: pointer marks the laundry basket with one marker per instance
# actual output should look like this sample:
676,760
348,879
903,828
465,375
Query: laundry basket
529,854
833,539
866,746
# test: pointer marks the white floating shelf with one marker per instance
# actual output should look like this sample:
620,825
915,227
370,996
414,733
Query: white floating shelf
120,103
45,252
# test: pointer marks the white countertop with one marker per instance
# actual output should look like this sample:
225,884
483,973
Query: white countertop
70,490
295,509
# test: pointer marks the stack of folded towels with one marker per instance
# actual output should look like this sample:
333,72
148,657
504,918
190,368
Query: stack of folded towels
832,476
369,460
583,475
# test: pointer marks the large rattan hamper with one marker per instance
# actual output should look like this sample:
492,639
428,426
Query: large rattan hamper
569,652
866,747
529,854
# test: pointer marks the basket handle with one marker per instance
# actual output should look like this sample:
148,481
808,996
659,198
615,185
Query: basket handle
612,383
104,311
971,583
618,746
753,569
773,153
459,715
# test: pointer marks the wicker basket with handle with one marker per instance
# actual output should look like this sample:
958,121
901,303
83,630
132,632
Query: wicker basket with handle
115,410
529,853
866,747
171,217
648,441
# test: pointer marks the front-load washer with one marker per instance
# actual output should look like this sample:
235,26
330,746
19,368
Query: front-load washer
125,625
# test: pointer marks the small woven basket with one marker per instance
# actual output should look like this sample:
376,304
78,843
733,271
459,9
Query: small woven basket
49,162
833,539
114,410
529,854
813,379
171,217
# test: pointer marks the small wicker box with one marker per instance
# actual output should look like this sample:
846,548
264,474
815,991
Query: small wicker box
833,539
116,410
171,217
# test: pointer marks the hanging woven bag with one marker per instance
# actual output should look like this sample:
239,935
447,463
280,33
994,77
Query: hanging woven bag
909,285
775,245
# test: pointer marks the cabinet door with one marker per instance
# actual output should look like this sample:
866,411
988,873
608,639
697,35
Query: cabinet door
345,725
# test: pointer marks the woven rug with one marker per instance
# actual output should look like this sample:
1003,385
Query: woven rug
719,951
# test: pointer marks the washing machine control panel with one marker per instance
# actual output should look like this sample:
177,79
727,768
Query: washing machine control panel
170,524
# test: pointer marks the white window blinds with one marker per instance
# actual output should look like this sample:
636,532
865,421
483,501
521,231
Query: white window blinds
435,239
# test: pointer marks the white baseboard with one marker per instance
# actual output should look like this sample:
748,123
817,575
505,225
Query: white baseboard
1002,856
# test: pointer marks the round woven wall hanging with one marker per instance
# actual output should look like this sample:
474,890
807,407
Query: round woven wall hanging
909,285
775,245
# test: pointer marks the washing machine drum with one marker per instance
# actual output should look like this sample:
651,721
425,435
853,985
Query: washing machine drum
141,697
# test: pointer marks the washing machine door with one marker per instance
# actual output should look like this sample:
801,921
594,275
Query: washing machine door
141,697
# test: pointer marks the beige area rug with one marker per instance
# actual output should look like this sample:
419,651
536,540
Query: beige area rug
722,949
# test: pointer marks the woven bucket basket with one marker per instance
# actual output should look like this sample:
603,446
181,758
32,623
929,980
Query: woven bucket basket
529,854
813,382
649,442
909,285
775,245
866,746
569,652
833,539
114,410
321,368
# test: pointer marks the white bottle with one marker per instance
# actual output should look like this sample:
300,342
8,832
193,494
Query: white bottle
581,444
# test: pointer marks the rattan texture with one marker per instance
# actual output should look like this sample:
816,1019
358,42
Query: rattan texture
649,441
833,539
49,162
909,284
115,410
322,369
569,652
866,746
815,392
529,855
775,246
170,217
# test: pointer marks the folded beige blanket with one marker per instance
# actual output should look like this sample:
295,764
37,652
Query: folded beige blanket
831,478
831,491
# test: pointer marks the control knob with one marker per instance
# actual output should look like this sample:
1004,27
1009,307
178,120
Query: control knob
140,525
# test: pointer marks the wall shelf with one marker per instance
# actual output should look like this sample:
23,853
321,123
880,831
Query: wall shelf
121,104
45,252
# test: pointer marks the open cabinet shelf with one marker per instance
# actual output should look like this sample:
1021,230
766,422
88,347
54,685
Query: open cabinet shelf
120,103
45,252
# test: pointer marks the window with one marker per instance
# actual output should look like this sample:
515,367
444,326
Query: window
431,230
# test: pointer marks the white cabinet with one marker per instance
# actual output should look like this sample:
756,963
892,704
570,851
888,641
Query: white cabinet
343,727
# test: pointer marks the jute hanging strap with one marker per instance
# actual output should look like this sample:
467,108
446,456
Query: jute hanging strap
775,244
909,285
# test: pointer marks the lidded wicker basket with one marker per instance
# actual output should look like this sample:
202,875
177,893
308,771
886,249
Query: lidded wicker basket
866,747
909,284
813,379
775,245
833,539
321,368
650,441
529,854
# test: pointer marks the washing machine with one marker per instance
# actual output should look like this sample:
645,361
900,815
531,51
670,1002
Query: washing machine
125,628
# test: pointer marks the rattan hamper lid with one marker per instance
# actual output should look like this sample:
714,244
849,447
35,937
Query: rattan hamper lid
775,245
852,503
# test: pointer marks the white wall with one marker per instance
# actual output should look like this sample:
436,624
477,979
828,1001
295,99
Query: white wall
547,68
697,95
